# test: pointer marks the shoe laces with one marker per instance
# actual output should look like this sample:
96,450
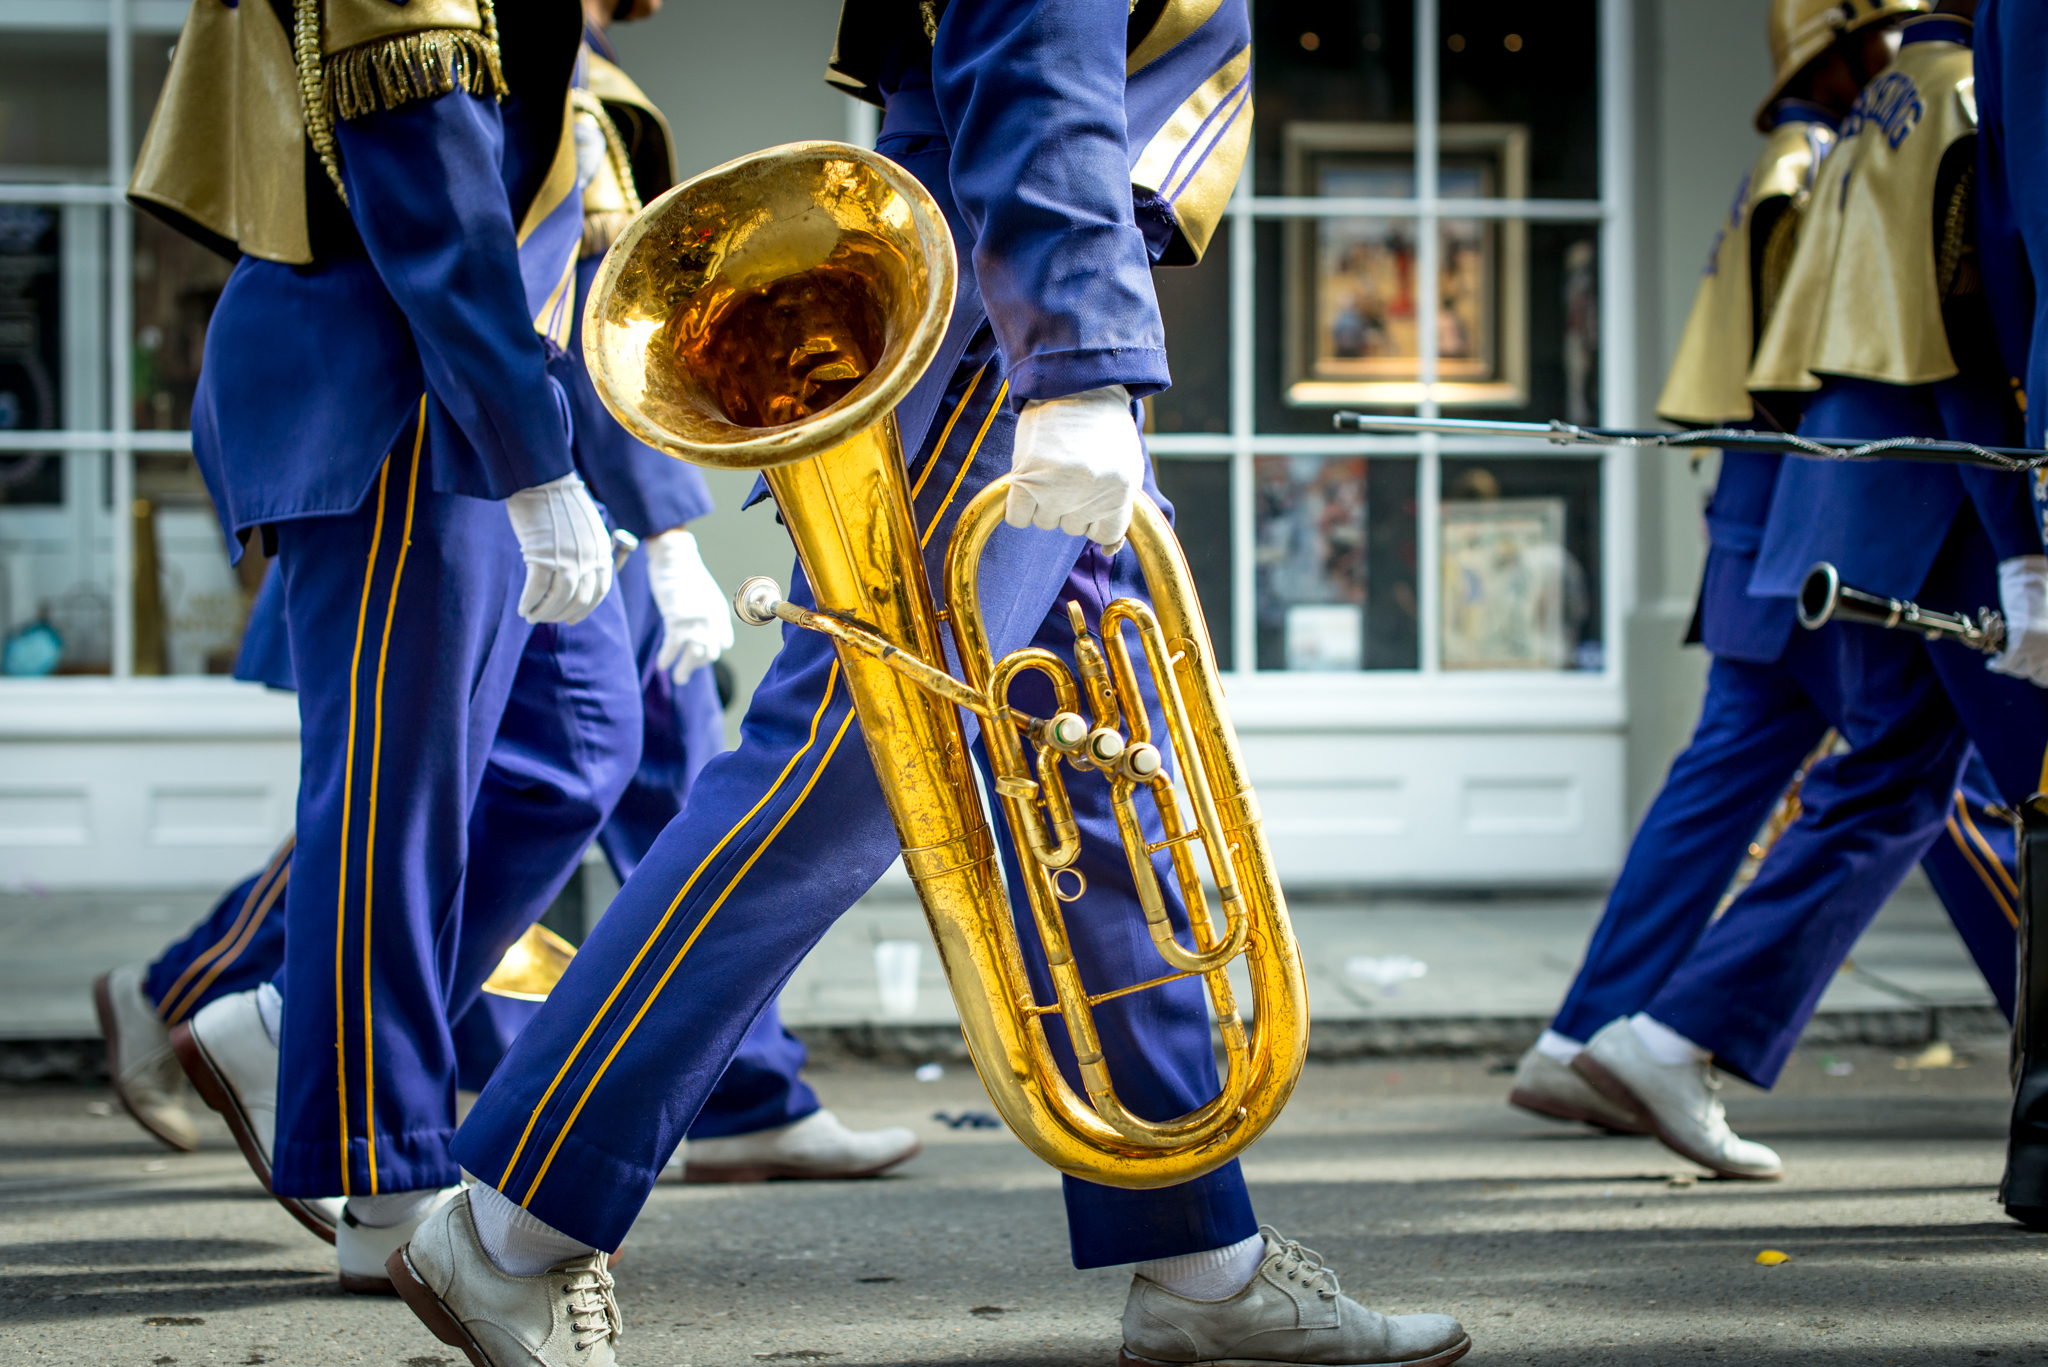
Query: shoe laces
1300,1264
593,1308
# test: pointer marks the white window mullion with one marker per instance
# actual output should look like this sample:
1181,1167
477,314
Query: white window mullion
1427,302
120,345
1618,402
1244,633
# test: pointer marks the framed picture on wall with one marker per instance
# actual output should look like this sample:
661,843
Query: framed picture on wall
1504,582
1351,320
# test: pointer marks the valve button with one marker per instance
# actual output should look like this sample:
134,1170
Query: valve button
1105,746
1142,762
1068,730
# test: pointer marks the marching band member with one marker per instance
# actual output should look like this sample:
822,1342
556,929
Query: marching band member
1881,323
1070,151
2013,247
399,184
1772,692
762,1119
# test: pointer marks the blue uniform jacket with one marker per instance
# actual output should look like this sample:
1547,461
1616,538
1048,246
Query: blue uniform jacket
311,372
2012,187
1882,521
1734,622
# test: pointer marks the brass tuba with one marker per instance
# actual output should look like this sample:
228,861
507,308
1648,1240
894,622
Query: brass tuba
770,314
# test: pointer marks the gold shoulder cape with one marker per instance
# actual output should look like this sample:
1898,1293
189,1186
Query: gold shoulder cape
224,158
1862,297
1708,380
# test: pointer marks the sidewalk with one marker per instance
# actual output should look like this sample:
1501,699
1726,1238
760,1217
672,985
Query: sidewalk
1386,975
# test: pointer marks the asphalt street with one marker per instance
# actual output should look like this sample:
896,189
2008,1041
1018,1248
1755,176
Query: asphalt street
1555,1245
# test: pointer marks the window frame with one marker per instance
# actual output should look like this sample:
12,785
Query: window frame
1429,697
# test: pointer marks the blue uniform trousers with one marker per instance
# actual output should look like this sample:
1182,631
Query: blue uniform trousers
682,729
1908,705
779,838
1772,691
433,721
241,942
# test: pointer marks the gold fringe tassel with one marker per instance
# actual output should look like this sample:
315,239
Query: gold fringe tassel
392,72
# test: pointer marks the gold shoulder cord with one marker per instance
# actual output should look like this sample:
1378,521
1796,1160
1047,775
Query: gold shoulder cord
387,73
313,89
614,145
1948,259
601,227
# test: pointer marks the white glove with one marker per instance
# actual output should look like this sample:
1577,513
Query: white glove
2023,598
696,619
1077,466
568,552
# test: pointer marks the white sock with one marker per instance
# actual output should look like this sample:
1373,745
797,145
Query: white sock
1664,1044
1563,1048
1211,1275
520,1245
391,1207
270,1006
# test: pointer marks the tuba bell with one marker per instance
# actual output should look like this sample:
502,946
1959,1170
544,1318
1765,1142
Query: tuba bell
770,315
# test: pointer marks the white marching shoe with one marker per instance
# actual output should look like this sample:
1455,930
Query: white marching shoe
1291,1311
818,1146
228,1055
1678,1099
565,1317
145,1073
364,1249
1547,1087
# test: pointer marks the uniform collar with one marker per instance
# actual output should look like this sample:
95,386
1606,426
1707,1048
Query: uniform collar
1801,111
1936,28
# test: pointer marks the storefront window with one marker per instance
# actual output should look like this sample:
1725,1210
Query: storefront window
190,604
1423,230
1336,563
177,282
1519,543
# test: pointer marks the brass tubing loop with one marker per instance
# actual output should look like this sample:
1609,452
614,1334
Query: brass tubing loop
770,314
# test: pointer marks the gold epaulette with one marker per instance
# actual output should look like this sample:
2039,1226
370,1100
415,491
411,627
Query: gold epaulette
1707,382
356,57
224,155
1862,297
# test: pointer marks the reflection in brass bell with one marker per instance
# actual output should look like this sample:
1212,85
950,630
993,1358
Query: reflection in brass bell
532,967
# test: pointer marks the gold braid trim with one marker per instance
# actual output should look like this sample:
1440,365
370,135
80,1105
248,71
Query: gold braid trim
391,72
387,73
601,227
313,89
1949,252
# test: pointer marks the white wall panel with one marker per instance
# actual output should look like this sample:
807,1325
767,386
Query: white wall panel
1440,809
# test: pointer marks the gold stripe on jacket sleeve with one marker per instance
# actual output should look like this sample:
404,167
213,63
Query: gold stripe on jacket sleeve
1194,160
1179,19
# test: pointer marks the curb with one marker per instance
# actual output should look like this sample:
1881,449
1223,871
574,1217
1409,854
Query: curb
1446,1036
84,1061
